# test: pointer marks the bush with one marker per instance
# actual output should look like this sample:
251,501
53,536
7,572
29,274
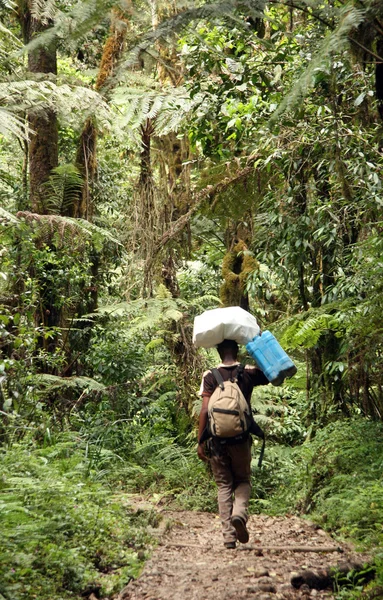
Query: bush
336,478
62,533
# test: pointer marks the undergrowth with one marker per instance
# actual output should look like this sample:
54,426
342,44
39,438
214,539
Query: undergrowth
62,533
335,478
68,528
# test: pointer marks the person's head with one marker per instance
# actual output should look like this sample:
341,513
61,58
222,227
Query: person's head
228,349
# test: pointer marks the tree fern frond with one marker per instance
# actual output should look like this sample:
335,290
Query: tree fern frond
168,107
69,229
7,4
10,36
63,188
225,10
206,300
7,216
306,333
72,102
92,229
155,107
147,314
11,125
74,24
54,382
350,18
84,15
43,10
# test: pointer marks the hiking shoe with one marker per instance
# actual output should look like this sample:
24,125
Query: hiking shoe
230,545
240,527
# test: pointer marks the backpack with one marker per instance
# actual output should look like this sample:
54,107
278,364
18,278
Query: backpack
230,419
229,414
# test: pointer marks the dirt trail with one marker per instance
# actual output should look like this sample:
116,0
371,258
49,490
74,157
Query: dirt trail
192,563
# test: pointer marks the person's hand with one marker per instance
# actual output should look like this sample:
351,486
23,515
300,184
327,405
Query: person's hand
201,453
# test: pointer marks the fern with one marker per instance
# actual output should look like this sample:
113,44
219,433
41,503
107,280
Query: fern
70,231
11,125
7,5
72,102
63,186
74,24
307,328
6,216
43,10
336,41
51,383
11,38
226,10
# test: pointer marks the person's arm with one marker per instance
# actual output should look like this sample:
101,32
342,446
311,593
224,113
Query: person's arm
257,376
202,425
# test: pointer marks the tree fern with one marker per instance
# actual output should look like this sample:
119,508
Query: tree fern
167,107
86,14
307,328
75,23
7,4
43,10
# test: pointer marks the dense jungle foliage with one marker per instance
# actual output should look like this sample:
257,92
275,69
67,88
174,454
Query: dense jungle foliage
156,160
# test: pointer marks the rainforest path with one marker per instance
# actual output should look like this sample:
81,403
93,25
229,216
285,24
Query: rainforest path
191,563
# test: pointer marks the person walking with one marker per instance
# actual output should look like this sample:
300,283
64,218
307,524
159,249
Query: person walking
230,458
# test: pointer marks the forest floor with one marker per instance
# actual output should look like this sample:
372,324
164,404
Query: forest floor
191,561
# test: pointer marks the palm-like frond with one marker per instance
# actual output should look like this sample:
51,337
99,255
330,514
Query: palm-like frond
86,14
224,10
350,18
166,107
53,382
306,329
43,10
72,102
6,216
63,188
11,125
75,23
7,4
71,231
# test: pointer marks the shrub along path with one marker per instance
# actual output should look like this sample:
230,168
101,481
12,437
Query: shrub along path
192,563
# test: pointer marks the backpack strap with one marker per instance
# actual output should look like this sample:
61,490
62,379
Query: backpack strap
240,372
219,379
262,453
256,430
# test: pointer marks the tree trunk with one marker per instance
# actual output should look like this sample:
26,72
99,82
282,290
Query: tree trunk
86,158
43,146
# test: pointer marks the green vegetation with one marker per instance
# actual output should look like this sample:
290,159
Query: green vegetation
154,163
63,532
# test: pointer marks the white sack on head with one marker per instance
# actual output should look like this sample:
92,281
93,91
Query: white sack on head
232,323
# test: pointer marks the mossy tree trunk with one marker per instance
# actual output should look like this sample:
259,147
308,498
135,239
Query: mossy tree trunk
86,158
237,264
43,145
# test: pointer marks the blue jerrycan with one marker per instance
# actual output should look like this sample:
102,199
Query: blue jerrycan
271,358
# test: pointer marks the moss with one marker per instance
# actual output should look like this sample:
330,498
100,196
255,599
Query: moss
236,267
112,49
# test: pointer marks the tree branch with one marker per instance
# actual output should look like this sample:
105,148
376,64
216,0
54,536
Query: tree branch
209,192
